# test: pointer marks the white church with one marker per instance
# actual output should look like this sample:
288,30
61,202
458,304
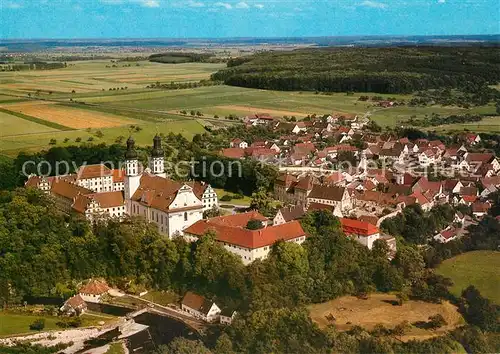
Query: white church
99,192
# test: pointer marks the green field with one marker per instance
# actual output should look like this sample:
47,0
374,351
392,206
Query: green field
158,110
14,144
478,268
12,125
11,324
16,324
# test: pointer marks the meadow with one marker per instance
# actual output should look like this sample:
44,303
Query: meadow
350,311
478,268
110,96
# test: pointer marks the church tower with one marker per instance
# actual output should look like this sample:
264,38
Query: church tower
132,175
157,161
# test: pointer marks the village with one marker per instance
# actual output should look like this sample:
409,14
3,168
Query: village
363,180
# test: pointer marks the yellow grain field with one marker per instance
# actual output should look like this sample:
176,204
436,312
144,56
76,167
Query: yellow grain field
69,116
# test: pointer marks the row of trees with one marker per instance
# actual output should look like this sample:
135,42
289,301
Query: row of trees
436,120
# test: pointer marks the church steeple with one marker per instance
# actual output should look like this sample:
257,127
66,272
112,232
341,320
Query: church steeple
131,154
157,162
132,174
157,150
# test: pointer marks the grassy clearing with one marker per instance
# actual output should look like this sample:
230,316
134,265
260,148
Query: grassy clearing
16,324
11,324
478,268
162,297
350,311
221,192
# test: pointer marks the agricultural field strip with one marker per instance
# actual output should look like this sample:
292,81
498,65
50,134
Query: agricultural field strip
69,117
11,125
36,120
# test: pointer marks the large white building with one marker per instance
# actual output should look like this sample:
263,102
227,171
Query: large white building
99,192
231,231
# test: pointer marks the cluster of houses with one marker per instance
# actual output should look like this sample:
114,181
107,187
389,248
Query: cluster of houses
192,304
362,196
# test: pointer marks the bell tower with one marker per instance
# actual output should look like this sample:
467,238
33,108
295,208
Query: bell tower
132,175
157,161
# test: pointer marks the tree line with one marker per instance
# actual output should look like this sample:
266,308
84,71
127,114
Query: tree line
382,70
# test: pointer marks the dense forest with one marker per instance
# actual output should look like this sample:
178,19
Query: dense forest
382,70
179,57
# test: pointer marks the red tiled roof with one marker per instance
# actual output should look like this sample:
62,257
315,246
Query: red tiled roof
197,302
118,176
479,157
93,171
371,219
238,220
327,192
109,199
68,190
469,198
450,233
285,179
233,153
247,238
256,152
94,287
362,228
159,193
479,207
320,206
75,301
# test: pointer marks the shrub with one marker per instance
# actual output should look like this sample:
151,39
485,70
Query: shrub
226,198
38,324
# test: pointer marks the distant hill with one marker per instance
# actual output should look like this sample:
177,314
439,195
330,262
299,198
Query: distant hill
382,70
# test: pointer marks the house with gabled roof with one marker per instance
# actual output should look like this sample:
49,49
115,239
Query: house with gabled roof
447,235
93,290
199,307
288,214
238,143
74,306
331,195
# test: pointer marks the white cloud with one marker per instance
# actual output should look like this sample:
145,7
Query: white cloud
242,5
223,4
192,3
373,4
150,3
13,5
441,1
112,2
259,6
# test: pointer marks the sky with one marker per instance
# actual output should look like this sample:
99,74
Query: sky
244,18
